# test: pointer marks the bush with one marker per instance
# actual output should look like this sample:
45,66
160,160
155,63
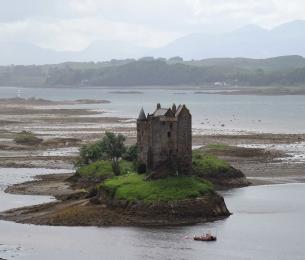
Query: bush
110,147
131,153
101,170
27,138
91,153
133,187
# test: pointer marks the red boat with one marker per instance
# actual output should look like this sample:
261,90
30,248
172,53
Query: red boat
207,237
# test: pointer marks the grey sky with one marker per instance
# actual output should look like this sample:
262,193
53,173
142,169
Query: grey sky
74,24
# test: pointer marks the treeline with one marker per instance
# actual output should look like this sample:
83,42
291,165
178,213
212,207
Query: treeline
285,71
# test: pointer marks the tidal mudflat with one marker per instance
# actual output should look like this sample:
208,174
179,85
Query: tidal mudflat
64,124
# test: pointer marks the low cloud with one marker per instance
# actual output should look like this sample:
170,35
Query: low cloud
74,24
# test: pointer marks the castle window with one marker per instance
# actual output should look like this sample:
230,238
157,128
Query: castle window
171,125
168,134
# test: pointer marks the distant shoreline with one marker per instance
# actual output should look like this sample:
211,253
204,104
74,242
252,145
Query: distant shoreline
198,90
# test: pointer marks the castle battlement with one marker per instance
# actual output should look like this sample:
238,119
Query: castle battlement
164,138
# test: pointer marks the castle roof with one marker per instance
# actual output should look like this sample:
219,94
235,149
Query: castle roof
142,115
179,109
163,114
160,112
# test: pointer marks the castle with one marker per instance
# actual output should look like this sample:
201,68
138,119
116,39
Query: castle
164,139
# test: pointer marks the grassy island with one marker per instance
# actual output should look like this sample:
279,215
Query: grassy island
133,187
111,188
112,175
208,169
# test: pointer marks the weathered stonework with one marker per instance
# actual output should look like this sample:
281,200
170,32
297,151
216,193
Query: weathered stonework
164,138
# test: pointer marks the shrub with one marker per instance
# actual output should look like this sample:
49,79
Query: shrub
101,170
131,153
91,153
110,147
113,147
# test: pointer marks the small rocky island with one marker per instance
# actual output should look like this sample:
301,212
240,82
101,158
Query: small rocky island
158,181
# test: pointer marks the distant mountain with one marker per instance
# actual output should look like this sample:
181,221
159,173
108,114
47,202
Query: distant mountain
250,41
108,50
27,54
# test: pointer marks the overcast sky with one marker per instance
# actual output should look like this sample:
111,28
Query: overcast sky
74,24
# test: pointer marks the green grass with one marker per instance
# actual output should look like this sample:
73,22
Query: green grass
207,164
133,187
103,169
126,167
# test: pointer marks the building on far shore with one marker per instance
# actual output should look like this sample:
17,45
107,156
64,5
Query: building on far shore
164,139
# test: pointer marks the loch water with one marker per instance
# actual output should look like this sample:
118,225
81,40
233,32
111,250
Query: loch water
212,112
267,223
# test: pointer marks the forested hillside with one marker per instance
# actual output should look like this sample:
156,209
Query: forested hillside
288,70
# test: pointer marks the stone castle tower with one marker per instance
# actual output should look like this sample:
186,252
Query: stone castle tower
164,139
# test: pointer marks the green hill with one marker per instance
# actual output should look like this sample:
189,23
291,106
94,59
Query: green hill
279,71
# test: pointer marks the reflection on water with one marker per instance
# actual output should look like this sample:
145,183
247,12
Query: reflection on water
267,223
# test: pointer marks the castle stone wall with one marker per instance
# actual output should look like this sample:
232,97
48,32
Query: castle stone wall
166,139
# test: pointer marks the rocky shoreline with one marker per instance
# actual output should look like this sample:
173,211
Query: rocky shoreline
75,208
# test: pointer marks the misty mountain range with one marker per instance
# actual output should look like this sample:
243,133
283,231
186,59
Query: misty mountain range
250,41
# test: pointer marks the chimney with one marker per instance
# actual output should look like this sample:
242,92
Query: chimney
158,106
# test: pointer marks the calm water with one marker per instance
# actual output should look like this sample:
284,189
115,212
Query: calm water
276,114
268,223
